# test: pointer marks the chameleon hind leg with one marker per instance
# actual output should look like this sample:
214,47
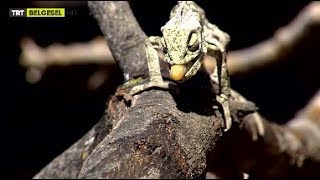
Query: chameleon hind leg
155,77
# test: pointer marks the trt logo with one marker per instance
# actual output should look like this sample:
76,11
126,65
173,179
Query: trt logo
17,12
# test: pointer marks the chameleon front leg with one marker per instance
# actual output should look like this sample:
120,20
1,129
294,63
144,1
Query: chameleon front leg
155,78
221,75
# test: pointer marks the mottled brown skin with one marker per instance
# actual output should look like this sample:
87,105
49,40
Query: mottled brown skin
186,38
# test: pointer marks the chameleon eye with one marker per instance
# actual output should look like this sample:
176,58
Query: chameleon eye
193,44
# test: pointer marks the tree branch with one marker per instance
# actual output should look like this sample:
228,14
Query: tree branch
37,59
288,40
123,34
290,150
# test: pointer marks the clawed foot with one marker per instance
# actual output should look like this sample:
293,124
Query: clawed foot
142,87
136,89
224,101
255,126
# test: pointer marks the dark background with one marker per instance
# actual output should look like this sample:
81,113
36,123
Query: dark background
42,120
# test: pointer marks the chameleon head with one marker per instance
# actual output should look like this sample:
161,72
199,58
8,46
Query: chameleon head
183,45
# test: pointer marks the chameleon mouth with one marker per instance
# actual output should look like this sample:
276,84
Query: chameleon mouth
178,71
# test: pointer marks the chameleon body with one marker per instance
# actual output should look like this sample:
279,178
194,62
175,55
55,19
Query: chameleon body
186,38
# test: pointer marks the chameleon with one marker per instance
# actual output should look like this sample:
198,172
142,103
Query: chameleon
186,38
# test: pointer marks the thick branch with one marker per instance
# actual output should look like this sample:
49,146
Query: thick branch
155,143
123,35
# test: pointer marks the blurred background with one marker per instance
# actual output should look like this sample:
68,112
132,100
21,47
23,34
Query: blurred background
45,116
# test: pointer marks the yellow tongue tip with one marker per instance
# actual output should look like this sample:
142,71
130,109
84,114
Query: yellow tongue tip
177,72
